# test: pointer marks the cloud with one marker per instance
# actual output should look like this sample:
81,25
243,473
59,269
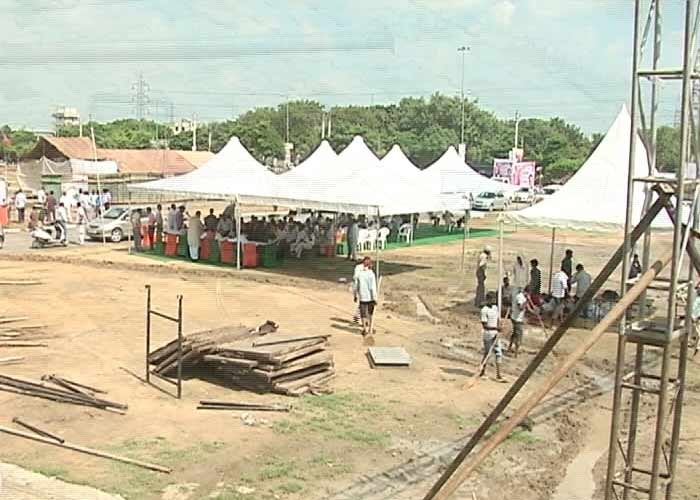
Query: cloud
503,12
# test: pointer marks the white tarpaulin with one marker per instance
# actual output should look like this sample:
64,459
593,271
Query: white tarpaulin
594,199
454,181
317,164
89,167
396,163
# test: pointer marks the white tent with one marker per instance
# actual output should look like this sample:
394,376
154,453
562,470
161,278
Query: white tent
594,199
356,156
231,174
317,164
454,180
396,163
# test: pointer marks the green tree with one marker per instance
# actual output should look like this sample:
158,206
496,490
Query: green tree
668,148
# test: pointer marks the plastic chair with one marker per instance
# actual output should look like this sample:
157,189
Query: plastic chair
382,235
362,236
371,239
405,233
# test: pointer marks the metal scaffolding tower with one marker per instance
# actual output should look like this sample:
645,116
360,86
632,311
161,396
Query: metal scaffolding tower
632,476
638,325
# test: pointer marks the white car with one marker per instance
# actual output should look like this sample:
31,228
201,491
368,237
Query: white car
546,192
524,195
490,200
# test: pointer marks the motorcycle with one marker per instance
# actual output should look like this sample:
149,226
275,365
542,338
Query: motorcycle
49,236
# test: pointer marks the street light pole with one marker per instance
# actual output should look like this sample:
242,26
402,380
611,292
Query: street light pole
463,50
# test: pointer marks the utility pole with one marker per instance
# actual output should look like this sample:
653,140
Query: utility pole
329,125
140,98
517,123
463,49
287,120
194,133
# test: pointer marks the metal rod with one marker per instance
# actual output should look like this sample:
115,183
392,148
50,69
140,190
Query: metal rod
634,417
148,330
38,431
464,240
88,451
551,342
677,241
551,259
179,346
164,316
626,245
500,266
668,74
461,474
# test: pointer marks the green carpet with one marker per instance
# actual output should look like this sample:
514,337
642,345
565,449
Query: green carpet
427,234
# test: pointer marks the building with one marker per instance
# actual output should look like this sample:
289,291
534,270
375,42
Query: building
65,116
182,125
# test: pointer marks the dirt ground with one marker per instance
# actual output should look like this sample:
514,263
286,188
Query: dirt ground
383,433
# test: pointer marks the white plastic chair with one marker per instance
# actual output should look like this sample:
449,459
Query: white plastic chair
371,239
382,235
405,233
362,236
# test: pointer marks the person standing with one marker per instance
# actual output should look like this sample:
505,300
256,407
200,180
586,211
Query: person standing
518,274
481,265
20,205
159,224
535,285
365,292
180,219
172,215
567,265
136,229
41,203
62,222
151,216
194,233
517,317
491,343
582,281
51,207
106,198
352,236
211,221
560,287
82,220
635,267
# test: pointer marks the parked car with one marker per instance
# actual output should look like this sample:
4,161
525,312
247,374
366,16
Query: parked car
115,224
524,195
490,200
546,192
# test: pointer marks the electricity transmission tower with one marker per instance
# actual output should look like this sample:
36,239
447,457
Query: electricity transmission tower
140,97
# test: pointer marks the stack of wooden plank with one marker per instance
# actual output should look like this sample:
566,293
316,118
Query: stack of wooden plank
196,345
283,364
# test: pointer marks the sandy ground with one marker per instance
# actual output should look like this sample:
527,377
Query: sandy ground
92,303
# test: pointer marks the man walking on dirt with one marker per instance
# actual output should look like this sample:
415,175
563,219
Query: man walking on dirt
481,265
519,307
492,345
365,291
567,264
535,285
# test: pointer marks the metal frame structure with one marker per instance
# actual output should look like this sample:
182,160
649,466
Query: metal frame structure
665,388
178,320
670,194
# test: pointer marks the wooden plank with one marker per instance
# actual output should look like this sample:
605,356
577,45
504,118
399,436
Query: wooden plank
287,341
13,320
302,373
20,282
237,362
322,357
266,354
313,378
301,352
21,343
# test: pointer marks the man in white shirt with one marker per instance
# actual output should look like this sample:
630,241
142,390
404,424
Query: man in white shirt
519,307
489,323
62,222
365,292
41,197
66,201
20,205
84,200
560,287
82,220
484,258
305,241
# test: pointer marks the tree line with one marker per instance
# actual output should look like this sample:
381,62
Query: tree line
424,127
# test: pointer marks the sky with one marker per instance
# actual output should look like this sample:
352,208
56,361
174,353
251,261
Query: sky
215,59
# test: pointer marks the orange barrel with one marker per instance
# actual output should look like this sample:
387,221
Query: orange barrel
170,245
250,255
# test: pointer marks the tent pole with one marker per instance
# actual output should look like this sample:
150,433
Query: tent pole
376,249
99,185
551,258
239,221
464,240
500,265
